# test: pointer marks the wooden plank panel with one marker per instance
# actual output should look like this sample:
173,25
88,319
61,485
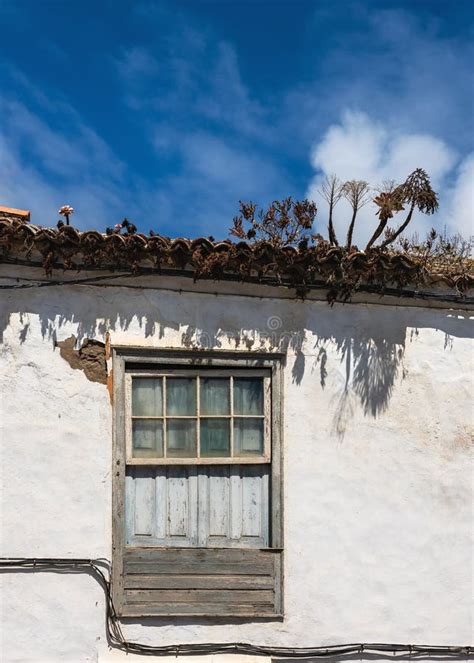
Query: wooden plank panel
197,568
253,597
168,581
227,555
204,609
199,561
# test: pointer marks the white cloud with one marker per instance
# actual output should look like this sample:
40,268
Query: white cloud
461,212
361,148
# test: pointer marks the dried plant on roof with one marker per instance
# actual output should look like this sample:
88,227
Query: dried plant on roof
277,246
284,223
389,201
357,194
416,193
332,192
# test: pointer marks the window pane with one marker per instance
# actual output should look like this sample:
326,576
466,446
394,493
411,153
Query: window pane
147,397
180,396
248,395
248,437
181,438
215,395
215,437
147,438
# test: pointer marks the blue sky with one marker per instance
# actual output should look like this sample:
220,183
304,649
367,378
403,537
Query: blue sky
170,112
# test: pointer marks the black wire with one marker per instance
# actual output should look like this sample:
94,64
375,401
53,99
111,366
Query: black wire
116,638
91,280
269,281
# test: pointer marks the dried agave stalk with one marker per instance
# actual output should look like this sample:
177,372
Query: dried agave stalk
416,191
284,223
357,193
389,201
331,191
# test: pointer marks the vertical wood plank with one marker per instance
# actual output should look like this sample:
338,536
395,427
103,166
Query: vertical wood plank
277,473
277,479
193,497
235,502
219,495
118,480
130,505
178,502
278,581
265,507
144,519
202,525
161,510
252,497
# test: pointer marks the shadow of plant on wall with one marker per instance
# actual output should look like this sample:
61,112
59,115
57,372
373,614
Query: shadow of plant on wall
358,350
372,366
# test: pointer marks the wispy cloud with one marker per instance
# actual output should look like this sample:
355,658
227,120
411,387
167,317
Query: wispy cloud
198,85
461,210
396,65
50,157
204,125
214,174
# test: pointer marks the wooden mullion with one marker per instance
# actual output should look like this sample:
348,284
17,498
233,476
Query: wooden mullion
203,460
165,425
198,411
231,403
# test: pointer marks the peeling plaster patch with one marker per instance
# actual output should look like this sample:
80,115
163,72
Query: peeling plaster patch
90,358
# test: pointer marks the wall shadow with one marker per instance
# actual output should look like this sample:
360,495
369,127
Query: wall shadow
369,341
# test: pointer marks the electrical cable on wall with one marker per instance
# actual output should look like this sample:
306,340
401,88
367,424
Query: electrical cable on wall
116,638
100,281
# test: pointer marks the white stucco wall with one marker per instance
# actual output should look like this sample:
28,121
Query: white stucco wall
378,492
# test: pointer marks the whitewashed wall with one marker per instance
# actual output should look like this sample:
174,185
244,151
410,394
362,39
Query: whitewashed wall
378,472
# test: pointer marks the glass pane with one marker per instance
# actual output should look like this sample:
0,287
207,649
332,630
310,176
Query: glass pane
180,396
215,395
215,437
248,395
181,438
147,438
248,437
147,397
